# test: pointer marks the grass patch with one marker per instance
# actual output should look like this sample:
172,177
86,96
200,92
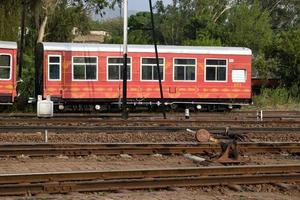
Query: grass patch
275,99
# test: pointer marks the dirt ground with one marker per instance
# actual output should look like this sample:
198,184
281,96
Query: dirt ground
121,162
90,163
137,137
24,164
254,192
268,159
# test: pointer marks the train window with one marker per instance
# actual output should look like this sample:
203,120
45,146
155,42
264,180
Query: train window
185,69
115,68
5,67
149,69
215,70
54,66
85,68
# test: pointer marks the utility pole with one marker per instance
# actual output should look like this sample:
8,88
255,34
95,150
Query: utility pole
22,40
157,61
125,51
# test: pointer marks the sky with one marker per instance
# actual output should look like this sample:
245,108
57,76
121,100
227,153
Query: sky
142,5
134,6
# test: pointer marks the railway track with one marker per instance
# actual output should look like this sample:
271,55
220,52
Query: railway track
118,122
30,184
212,121
84,149
142,128
154,116
268,114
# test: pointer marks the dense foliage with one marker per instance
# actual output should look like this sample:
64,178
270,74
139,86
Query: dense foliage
10,20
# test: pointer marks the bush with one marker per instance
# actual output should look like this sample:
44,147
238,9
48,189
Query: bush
276,99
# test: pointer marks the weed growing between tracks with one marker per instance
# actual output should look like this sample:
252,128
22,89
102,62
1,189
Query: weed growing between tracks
275,99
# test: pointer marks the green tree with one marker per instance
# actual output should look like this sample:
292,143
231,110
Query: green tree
41,10
284,14
140,28
173,19
287,52
207,26
207,19
193,22
249,26
113,26
10,20
64,19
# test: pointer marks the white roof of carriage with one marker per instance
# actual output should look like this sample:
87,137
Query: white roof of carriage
52,46
8,45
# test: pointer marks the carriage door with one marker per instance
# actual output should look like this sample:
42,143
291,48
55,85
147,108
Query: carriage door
53,85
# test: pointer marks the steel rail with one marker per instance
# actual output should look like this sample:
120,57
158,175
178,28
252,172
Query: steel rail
144,121
147,173
154,114
156,128
174,180
80,149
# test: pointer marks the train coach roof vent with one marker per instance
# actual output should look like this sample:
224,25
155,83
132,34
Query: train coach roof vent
52,46
8,45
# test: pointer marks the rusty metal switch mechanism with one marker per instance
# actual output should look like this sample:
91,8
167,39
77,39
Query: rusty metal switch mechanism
229,148
230,153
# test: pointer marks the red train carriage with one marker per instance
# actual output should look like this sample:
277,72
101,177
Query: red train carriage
8,63
91,74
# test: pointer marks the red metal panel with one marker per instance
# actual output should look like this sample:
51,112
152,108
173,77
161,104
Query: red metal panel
102,88
8,87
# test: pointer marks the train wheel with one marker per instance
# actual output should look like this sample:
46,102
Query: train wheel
174,106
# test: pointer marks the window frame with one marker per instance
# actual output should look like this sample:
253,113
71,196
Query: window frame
107,65
196,65
226,75
54,63
85,80
10,67
153,80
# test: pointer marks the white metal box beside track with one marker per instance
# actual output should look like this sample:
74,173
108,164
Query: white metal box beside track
44,107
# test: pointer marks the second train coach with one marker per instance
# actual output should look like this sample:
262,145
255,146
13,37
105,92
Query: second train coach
91,74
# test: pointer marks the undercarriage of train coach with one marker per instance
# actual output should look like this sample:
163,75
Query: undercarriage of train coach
137,106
